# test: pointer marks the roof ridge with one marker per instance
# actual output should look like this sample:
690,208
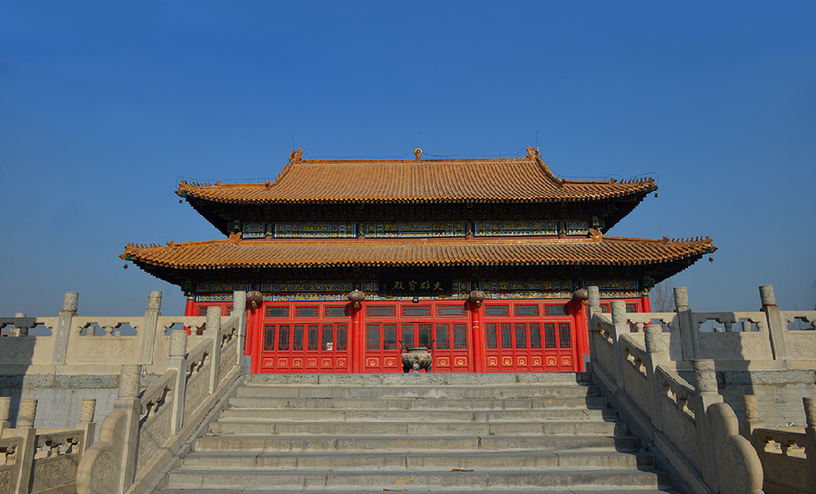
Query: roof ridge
236,239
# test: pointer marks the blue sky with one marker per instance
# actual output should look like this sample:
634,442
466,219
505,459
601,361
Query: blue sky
104,106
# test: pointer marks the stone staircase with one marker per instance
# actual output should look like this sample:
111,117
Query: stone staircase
416,433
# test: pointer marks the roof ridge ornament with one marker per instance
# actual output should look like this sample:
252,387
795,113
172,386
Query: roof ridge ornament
235,238
296,156
418,153
595,234
533,153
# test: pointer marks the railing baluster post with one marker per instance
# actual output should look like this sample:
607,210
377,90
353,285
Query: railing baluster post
777,329
86,422
689,337
147,333
5,412
239,309
706,393
26,416
63,329
619,327
810,435
655,356
593,310
213,332
129,402
178,361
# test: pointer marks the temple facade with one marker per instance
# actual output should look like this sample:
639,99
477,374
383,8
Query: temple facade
483,262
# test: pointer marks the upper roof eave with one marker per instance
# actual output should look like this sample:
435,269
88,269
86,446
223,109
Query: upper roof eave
333,181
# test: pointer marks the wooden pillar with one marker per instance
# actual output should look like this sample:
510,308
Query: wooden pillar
477,340
254,337
189,309
580,335
357,338
645,303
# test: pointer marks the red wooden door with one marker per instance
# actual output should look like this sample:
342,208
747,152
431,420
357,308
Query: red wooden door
298,338
520,337
390,326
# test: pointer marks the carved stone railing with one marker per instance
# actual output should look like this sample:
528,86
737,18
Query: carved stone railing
81,344
802,338
765,335
142,438
40,460
788,454
688,427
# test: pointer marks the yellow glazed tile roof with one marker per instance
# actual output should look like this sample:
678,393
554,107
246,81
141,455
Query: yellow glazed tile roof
272,253
443,180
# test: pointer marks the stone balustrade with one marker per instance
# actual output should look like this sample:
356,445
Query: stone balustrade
144,435
769,338
788,454
81,345
688,427
41,460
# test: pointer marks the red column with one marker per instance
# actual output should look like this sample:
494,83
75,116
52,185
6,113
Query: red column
189,310
645,303
253,347
476,338
252,316
356,346
581,334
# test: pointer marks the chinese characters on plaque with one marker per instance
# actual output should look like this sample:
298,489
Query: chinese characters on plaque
419,286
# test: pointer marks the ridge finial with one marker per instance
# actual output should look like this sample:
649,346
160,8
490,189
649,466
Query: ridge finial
533,153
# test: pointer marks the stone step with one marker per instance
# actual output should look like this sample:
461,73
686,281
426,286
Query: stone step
412,443
421,379
420,460
581,489
444,433
396,480
449,392
592,402
422,427
429,415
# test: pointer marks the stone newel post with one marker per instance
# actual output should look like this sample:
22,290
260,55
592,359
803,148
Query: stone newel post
147,334
593,309
239,310
619,327
752,421
128,441
178,361
776,326
810,432
213,332
26,416
705,387
5,412
656,354
63,328
689,337
86,421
